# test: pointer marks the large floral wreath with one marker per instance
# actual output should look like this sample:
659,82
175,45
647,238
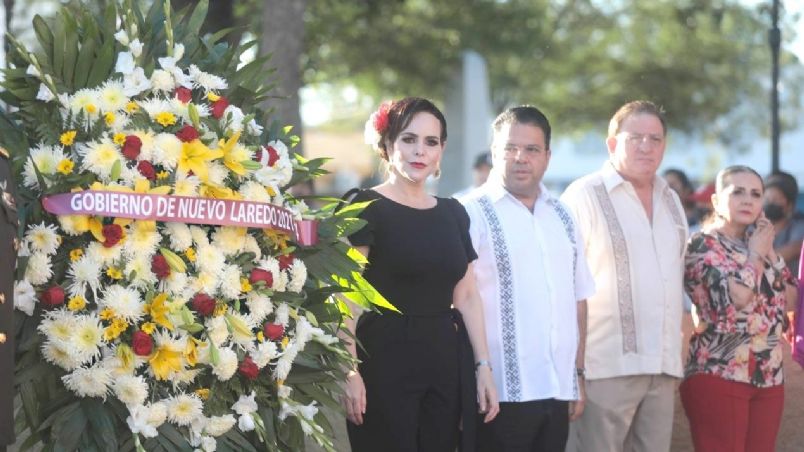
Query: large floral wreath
150,333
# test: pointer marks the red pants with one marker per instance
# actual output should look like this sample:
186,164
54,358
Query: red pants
729,416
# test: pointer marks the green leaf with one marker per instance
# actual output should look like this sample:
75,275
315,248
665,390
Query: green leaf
102,65
193,328
68,427
116,168
198,16
84,64
101,421
251,165
44,35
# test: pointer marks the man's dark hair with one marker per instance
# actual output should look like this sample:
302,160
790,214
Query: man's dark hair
524,114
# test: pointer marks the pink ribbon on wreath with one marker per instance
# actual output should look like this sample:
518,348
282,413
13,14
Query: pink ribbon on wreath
183,209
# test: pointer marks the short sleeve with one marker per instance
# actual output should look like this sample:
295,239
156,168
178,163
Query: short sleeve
365,235
463,224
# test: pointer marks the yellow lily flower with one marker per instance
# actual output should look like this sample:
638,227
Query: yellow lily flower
159,311
217,192
194,157
165,361
233,154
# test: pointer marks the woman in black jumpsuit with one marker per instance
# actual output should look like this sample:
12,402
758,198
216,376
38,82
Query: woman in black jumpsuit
405,395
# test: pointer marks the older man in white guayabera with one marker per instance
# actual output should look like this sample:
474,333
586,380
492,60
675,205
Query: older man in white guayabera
634,231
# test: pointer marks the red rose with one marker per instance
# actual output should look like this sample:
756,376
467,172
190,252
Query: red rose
248,368
112,233
132,146
147,170
183,94
381,117
259,274
203,304
219,106
285,261
160,266
142,343
187,133
52,297
273,331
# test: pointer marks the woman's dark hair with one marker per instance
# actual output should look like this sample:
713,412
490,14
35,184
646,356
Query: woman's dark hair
399,117
681,176
785,183
720,180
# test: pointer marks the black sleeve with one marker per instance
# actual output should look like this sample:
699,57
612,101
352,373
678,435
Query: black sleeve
463,224
365,236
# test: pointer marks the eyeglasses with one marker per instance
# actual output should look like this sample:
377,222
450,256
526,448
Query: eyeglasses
635,139
513,149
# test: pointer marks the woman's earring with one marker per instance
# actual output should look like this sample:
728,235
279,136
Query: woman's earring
437,173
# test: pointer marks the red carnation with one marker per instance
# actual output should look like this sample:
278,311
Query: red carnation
147,170
183,94
285,261
52,297
112,234
142,343
132,146
248,368
219,106
160,266
273,155
259,274
203,304
187,133
273,331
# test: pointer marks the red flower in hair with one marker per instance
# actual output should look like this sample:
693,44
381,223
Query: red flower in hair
381,116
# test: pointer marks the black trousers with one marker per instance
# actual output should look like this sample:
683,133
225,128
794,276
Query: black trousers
410,369
534,426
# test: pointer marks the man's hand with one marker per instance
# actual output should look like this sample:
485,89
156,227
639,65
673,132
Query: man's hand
576,407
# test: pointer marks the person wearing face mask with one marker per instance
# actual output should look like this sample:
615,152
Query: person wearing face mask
781,191
733,388
409,392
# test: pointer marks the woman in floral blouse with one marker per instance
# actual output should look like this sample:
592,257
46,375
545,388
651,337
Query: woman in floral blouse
733,389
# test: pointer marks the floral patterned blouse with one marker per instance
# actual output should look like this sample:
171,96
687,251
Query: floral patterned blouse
738,345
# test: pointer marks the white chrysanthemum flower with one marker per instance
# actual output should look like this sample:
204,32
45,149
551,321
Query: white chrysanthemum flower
251,246
46,159
99,157
142,239
265,353
39,269
227,364
186,185
60,353
135,82
44,94
218,425
205,281
139,272
298,276
179,236
88,382
162,80
183,409
207,82
218,173
230,282
24,296
112,98
138,422
124,301
155,106
131,390
217,331
87,101
282,314
167,150
199,235
229,239
57,325
84,272
233,117
259,306
209,258
119,123
254,191
184,377
285,361
43,238
209,444
157,413
87,337
106,255
175,283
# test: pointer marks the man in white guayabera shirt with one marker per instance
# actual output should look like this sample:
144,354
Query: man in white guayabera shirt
634,232
532,276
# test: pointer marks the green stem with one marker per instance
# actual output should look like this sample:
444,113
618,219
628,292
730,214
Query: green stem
168,29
